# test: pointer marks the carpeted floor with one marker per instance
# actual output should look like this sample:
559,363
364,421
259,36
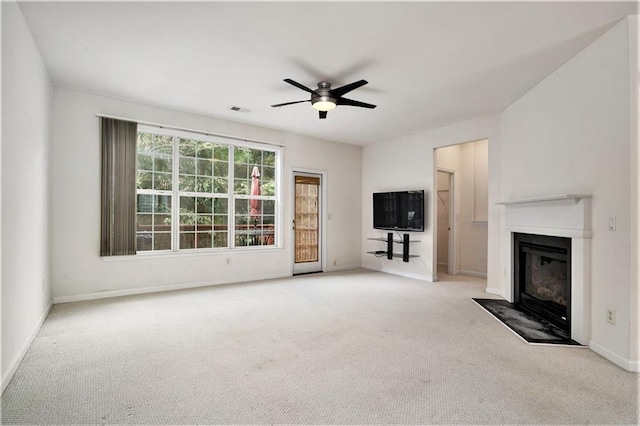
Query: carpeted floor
356,347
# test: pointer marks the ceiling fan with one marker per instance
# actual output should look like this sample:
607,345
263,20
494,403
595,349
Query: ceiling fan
324,98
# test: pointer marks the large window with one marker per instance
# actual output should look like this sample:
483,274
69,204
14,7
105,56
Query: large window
204,192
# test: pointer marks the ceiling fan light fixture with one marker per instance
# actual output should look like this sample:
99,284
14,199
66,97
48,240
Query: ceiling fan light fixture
323,103
325,99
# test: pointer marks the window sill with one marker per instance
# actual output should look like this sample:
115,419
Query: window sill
185,253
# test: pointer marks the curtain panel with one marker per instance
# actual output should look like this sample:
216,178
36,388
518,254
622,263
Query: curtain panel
118,187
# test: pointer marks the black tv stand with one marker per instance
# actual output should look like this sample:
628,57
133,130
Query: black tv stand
390,242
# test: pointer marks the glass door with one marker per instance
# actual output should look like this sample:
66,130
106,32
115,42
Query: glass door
306,224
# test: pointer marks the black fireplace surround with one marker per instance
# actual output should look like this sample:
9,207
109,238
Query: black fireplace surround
542,277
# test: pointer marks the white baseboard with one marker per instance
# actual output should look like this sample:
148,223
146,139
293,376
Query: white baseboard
158,289
473,273
172,287
343,267
16,362
496,291
401,273
615,358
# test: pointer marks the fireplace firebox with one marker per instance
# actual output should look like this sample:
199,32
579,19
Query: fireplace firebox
542,277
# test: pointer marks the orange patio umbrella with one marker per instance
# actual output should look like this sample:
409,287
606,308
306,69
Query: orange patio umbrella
255,190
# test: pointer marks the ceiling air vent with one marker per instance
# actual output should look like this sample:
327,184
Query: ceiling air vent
239,109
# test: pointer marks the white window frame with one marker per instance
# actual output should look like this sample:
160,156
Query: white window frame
175,193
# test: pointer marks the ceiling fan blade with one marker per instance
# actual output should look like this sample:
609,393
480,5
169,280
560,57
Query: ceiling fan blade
349,87
322,114
298,85
288,103
351,102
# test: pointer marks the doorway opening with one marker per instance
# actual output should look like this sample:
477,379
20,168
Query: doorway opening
461,209
445,247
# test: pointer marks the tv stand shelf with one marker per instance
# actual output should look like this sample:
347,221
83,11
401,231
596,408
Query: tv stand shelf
389,252
385,254
395,241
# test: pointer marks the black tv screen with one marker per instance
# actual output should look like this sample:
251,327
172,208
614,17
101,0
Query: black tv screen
400,210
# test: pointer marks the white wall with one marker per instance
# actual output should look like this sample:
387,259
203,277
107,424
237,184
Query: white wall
408,163
571,134
26,118
634,299
474,208
78,270
479,156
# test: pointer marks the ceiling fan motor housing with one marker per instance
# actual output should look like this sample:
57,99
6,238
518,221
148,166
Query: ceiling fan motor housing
322,94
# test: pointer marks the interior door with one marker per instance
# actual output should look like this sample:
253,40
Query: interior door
306,223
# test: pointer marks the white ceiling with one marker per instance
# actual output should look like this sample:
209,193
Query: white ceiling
428,63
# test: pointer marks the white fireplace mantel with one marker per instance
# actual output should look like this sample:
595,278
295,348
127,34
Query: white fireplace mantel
566,215
560,197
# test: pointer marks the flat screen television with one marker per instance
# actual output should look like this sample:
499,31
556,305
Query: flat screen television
399,210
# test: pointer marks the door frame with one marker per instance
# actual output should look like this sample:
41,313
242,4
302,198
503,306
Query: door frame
323,213
452,267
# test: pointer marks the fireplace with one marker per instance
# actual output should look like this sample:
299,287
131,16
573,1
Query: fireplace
566,216
542,277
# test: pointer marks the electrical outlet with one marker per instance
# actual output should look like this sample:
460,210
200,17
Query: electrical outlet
612,223
611,316
228,261
334,262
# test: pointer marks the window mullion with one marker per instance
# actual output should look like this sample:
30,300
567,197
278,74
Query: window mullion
231,229
175,203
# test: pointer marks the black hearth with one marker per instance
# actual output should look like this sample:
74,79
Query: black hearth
542,277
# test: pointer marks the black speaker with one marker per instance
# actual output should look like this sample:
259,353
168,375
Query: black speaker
390,245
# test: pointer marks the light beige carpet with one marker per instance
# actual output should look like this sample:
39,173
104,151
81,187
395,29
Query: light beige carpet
358,347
